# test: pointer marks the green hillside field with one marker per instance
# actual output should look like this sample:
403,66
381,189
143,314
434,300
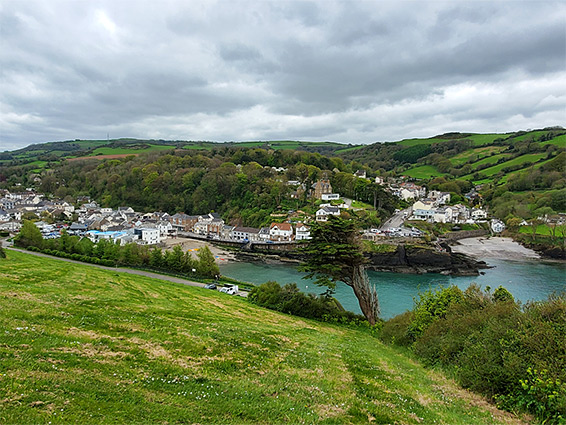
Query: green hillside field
84,345
423,172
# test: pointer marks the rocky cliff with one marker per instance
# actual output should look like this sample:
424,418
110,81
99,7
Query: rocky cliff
425,259
401,258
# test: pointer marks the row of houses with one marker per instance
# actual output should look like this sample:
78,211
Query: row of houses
434,212
211,225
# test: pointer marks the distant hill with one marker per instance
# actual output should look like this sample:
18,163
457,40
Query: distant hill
85,345
43,153
479,158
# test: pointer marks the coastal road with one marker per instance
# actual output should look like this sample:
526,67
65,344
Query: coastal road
396,220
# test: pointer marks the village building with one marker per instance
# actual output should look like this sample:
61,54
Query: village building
245,234
210,224
497,226
423,210
264,234
321,187
439,198
147,235
226,232
183,222
323,213
302,232
281,232
330,196
478,214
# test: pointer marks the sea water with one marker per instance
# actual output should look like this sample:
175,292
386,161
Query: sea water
532,280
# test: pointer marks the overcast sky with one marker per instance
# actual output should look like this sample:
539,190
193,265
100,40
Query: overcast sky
345,71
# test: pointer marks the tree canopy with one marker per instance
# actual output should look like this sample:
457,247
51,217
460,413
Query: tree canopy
335,254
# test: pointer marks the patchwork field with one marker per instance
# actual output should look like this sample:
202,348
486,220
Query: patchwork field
423,172
84,345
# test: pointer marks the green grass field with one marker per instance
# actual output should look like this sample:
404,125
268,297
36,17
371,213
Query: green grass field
477,139
530,135
414,142
559,141
487,173
483,139
534,157
544,229
85,345
133,150
477,154
423,172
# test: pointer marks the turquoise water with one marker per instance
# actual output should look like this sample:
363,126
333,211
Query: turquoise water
526,280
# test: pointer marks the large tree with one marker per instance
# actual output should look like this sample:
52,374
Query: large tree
29,235
335,254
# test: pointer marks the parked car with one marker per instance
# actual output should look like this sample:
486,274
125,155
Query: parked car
210,286
229,289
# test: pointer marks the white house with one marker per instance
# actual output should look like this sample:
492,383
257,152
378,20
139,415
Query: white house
407,194
147,235
7,203
302,232
245,234
12,226
4,216
440,198
479,214
226,232
323,213
443,215
423,210
281,232
330,196
497,226
264,234
165,227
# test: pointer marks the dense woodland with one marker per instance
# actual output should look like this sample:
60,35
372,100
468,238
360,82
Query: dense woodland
237,181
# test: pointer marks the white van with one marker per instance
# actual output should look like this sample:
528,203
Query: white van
229,289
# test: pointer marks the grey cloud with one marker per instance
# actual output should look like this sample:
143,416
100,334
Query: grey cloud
326,70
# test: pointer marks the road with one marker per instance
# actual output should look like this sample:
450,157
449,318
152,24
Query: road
396,220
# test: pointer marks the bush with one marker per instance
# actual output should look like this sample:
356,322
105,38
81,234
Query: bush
289,299
543,396
431,306
395,330
514,355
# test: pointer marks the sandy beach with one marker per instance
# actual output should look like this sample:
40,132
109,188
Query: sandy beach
495,247
193,245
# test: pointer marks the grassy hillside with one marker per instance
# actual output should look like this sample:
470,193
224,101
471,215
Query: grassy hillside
84,345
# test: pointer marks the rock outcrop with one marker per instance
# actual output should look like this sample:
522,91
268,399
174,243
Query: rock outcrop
400,258
425,259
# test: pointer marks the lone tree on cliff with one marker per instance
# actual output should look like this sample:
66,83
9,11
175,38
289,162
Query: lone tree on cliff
335,254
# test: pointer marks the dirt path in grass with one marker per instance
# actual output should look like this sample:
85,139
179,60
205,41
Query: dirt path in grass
116,269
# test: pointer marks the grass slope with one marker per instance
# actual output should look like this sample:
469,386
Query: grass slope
85,345
423,172
127,150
